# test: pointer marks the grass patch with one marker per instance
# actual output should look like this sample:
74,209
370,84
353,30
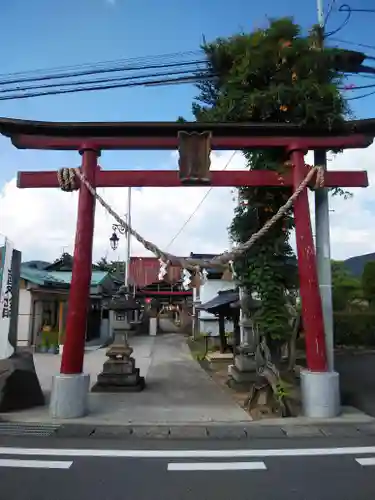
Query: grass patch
201,346
198,347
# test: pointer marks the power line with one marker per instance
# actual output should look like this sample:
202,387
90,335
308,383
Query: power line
343,8
348,10
146,83
198,206
182,77
361,96
99,71
363,45
370,77
195,65
193,75
138,62
363,11
102,80
357,87
160,79
329,11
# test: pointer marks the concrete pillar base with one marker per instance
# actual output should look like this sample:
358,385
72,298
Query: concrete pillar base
69,396
320,394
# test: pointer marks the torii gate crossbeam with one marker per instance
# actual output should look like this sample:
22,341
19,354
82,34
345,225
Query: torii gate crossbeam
170,178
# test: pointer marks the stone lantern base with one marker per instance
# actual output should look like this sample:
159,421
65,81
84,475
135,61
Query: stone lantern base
119,372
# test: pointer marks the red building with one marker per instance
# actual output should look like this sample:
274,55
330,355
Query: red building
143,276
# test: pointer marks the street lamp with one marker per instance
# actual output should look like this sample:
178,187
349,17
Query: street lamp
114,239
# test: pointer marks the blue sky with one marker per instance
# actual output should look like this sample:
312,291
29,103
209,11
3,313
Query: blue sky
45,34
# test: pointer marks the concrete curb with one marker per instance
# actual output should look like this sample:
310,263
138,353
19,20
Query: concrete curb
188,432
218,432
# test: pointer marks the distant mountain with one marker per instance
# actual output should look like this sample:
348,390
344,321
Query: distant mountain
355,265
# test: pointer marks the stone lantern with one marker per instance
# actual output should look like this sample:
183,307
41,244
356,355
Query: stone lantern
119,372
243,371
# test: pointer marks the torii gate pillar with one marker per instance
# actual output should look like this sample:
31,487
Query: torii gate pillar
320,388
69,397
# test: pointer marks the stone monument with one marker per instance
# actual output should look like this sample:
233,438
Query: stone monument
19,384
119,372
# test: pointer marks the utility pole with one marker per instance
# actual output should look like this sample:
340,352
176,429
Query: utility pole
323,251
128,241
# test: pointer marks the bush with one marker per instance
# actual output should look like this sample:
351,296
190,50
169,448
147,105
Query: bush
354,328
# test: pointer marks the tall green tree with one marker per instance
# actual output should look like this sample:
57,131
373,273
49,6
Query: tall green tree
275,74
368,283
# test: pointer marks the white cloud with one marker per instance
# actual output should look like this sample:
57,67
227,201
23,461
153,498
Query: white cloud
41,222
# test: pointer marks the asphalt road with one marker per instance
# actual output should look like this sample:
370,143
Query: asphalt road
309,469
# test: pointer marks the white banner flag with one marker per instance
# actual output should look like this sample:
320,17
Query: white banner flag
6,295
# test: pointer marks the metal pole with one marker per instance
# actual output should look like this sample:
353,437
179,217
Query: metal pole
323,258
128,242
320,9
322,238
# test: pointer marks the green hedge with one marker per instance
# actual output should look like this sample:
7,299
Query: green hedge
354,328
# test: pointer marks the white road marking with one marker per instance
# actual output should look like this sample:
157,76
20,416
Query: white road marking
172,454
366,461
207,466
35,464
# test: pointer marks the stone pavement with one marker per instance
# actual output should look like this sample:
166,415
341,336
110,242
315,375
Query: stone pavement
177,390
180,401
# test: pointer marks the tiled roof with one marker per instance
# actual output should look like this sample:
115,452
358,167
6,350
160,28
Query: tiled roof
38,276
56,278
228,297
66,276
222,298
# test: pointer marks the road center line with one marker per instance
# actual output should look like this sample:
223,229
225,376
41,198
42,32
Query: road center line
183,454
366,461
35,464
218,466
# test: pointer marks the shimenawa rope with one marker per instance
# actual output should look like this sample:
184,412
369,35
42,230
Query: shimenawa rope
67,178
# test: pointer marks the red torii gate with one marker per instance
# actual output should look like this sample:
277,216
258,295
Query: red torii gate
92,138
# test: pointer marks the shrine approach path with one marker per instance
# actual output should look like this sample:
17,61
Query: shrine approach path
178,390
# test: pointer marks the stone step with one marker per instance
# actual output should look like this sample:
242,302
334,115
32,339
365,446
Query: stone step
219,357
241,377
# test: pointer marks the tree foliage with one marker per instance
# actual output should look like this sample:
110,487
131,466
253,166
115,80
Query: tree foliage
103,265
114,267
368,282
346,288
271,75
